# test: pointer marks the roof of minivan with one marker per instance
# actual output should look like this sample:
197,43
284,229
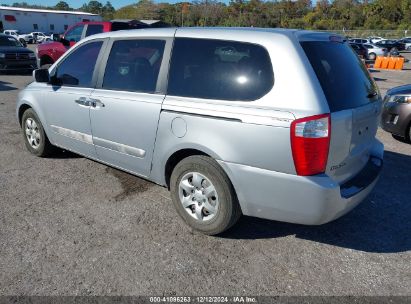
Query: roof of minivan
206,31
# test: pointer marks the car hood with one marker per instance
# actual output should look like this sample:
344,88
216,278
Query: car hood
14,49
49,45
401,90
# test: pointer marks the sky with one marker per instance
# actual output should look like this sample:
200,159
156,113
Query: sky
77,3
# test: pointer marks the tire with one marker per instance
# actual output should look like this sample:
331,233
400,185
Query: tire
45,62
39,144
372,56
211,176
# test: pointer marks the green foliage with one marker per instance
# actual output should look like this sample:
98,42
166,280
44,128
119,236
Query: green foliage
323,15
62,6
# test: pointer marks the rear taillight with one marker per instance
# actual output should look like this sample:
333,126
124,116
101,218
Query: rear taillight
310,142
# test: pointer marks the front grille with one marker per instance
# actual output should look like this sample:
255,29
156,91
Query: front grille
17,56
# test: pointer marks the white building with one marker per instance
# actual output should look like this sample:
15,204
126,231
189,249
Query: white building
27,20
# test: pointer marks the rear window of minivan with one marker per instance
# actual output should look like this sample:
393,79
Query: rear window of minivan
344,78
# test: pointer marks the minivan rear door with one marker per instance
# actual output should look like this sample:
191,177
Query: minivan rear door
354,102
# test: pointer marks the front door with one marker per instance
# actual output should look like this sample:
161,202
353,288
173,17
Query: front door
67,102
127,104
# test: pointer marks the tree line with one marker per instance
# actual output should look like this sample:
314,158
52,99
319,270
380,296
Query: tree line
323,15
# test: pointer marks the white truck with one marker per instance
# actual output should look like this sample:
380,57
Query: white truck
22,38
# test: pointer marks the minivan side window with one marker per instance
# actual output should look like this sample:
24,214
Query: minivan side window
78,67
219,69
74,34
134,65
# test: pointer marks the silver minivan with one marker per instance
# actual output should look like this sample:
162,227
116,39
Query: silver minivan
271,123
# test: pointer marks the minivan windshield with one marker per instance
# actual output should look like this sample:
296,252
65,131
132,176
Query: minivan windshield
344,78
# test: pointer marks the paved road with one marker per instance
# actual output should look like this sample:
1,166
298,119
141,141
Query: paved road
72,226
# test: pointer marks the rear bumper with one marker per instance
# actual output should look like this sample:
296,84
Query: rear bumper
309,200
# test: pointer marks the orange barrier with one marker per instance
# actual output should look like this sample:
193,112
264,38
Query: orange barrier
399,64
378,62
392,63
385,62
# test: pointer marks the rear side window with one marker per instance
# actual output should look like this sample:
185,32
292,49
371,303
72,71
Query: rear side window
344,78
134,65
218,69
78,67
93,29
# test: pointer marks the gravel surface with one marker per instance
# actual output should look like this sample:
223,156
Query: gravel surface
72,226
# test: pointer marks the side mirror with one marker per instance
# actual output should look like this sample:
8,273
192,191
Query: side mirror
41,75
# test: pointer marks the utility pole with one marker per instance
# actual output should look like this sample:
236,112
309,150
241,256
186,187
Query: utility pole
182,15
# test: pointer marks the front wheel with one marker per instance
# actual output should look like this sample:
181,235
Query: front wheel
34,136
372,56
203,195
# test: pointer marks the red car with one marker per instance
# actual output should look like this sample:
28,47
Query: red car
48,53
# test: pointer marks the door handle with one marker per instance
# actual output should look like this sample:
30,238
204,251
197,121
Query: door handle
82,101
96,103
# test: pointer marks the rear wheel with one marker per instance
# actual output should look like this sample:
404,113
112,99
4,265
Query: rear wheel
203,195
34,136
46,62
372,56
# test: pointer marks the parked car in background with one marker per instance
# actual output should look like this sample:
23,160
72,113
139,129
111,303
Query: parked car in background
39,37
14,56
195,110
359,40
374,39
48,53
374,51
407,42
396,115
24,39
360,49
391,45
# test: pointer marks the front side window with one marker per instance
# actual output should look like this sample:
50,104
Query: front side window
78,67
219,69
134,65
93,29
74,34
